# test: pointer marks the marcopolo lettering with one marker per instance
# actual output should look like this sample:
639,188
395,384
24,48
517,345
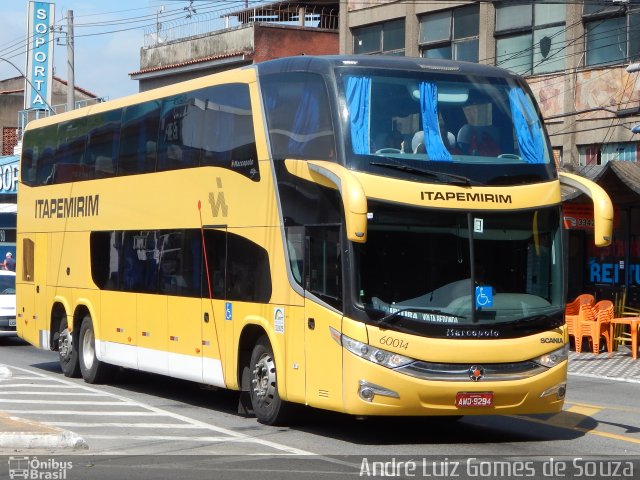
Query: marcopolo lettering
462,333
82,206
465,197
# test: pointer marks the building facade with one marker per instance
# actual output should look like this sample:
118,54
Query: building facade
238,38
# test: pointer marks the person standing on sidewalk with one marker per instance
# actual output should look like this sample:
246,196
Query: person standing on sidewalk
9,263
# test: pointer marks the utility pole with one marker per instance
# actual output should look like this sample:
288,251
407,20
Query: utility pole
71,87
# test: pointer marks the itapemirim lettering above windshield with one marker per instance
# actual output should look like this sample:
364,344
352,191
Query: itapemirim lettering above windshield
465,197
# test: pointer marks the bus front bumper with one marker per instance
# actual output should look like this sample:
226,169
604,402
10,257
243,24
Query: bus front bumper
371,390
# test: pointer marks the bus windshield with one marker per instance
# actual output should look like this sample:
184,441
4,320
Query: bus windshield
445,122
446,269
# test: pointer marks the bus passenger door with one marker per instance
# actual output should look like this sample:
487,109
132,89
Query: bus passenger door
323,304
211,321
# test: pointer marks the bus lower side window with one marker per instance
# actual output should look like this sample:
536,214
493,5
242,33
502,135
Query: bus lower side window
238,268
180,263
171,262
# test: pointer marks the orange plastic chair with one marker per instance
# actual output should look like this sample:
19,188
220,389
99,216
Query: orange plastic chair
593,322
572,311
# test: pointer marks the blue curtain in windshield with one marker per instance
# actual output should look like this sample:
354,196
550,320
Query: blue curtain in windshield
432,138
306,121
527,126
358,102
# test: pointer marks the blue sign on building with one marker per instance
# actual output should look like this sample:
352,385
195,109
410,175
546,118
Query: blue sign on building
39,72
9,174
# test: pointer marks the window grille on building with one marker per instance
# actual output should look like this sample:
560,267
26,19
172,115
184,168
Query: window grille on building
611,32
387,38
530,37
451,34
9,140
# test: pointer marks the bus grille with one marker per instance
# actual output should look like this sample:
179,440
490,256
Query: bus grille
457,372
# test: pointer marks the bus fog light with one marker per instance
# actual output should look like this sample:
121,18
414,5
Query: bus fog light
367,394
559,391
369,390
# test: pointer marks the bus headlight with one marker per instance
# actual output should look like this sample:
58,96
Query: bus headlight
554,358
368,352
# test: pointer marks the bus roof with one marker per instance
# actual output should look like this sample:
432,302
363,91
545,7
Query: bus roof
322,64
325,63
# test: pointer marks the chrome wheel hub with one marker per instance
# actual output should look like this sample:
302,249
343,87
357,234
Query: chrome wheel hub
88,349
65,343
264,380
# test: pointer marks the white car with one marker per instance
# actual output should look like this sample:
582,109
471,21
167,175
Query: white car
7,303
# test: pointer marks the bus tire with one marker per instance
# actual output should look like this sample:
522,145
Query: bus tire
268,407
67,344
92,369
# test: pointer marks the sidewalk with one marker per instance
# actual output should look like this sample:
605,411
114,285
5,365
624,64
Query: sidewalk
618,365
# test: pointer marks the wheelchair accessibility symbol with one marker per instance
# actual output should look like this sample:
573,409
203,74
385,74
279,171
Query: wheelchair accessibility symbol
228,311
484,297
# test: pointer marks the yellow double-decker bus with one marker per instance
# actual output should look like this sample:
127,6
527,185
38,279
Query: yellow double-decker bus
369,235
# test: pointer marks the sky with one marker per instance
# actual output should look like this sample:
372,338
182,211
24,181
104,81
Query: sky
108,38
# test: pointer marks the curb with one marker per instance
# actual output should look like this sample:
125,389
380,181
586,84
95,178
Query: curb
20,433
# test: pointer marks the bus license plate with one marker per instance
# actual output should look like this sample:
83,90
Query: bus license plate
12,323
474,399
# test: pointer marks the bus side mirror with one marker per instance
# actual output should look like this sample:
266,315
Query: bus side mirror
602,207
332,175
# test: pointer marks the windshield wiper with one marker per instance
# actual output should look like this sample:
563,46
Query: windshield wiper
389,318
444,177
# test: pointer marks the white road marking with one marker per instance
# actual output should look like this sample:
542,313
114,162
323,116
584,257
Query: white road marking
57,394
84,413
150,411
173,426
58,402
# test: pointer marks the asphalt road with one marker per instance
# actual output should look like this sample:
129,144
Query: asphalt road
149,426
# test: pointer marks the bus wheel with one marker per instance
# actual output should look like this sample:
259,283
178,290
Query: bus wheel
92,369
68,350
267,405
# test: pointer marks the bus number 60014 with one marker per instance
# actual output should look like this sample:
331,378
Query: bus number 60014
393,342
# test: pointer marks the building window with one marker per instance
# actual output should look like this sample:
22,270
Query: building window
387,38
451,34
600,154
9,140
611,33
530,37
